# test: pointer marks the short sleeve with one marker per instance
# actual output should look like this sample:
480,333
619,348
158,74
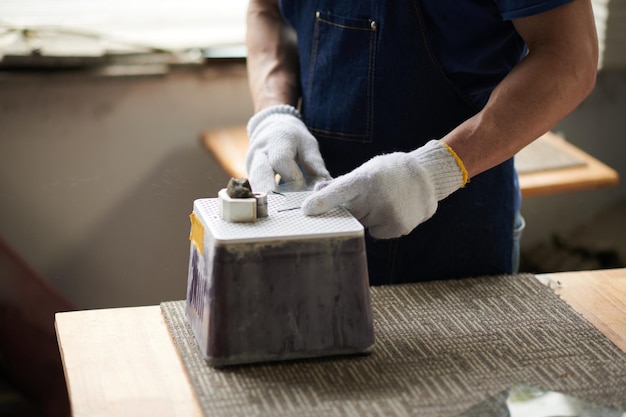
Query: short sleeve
513,9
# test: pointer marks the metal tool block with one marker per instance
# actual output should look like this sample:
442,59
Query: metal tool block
287,286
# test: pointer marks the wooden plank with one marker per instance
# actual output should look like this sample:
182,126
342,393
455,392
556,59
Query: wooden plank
600,296
229,147
591,175
122,362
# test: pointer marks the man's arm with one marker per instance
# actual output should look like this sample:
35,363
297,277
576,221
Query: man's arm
556,76
280,143
272,56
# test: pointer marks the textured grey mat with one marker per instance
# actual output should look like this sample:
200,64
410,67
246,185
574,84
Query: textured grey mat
541,155
441,347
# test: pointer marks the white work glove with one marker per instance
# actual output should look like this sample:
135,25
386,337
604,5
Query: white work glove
280,143
392,194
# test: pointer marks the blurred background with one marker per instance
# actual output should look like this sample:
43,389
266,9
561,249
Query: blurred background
102,104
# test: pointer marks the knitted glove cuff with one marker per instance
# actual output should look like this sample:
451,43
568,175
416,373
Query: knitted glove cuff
446,169
259,117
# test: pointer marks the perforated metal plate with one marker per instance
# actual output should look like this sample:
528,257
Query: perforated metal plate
285,221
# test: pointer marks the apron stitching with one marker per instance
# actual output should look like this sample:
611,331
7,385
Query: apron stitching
361,137
370,87
332,132
345,26
313,60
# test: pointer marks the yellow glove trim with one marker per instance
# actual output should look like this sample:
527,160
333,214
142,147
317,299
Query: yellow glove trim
459,162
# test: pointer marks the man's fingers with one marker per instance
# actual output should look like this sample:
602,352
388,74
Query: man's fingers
313,165
289,172
336,193
261,176
320,183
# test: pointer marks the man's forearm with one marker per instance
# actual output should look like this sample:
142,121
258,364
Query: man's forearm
272,56
556,76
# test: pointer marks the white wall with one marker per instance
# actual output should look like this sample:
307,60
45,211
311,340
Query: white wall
98,175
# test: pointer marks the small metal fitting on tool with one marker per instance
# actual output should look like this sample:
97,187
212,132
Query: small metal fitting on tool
237,209
239,204
261,204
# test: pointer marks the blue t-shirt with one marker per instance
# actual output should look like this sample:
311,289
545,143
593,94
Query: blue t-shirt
468,38
477,44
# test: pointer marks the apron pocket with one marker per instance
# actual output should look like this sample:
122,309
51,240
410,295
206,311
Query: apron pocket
338,96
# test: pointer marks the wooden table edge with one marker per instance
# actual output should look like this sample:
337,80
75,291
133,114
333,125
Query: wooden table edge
594,174
566,284
594,295
164,354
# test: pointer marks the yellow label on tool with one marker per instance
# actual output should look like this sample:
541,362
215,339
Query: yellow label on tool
197,232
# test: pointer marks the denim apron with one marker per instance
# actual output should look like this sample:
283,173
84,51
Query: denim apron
370,85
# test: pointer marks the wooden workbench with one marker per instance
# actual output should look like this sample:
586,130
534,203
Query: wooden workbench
123,361
588,174
600,296
229,146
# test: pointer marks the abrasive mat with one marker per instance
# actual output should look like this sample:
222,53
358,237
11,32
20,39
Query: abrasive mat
441,347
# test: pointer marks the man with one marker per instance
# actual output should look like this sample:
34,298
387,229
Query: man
416,109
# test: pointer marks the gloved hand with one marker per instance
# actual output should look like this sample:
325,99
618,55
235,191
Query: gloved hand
392,194
281,144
